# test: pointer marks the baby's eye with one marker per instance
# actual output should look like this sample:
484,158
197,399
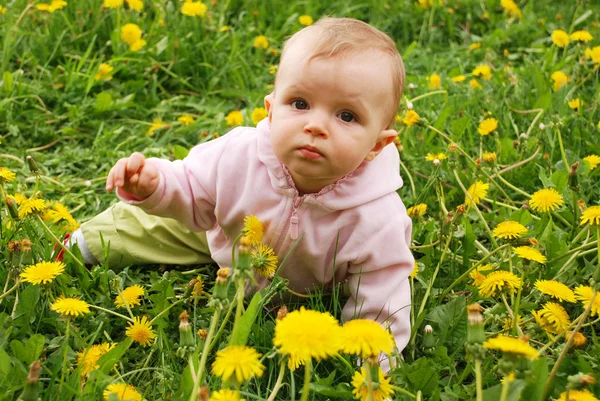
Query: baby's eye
347,116
300,104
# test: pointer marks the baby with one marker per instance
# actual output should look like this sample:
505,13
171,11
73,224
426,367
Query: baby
318,168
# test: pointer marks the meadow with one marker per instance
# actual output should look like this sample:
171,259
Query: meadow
499,140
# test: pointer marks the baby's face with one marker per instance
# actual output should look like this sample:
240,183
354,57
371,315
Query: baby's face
329,115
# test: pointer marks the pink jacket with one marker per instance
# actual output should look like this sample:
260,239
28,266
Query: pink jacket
236,175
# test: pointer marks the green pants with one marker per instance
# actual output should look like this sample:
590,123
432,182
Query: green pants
131,236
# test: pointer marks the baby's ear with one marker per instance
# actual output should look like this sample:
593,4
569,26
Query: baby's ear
269,99
385,138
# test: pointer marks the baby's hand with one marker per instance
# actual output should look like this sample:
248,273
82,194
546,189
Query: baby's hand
134,175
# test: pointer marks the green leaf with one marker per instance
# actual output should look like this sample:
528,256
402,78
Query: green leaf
450,322
514,391
544,101
536,380
342,390
28,300
441,120
104,101
108,360
180,152
422,376
458,126
7,82
5,363
544,178
240,333
560,179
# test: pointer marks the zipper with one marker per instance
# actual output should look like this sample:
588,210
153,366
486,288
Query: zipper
292,224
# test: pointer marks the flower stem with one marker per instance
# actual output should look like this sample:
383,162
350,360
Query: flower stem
14,287
239,295
478,379
204,357
306,387
112,313
403,391
504,389
64,364
277,385
512,315
369,383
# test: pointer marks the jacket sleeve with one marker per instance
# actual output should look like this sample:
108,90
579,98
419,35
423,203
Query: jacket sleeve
187,188
378,282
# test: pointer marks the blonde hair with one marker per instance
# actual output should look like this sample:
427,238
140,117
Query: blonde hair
337,37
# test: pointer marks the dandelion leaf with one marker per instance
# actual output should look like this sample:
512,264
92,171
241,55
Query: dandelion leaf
514,391
240,335
450,322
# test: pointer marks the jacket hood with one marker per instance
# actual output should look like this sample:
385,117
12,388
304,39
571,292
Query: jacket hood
370,181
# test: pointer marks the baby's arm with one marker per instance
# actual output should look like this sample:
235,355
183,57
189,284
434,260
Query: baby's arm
134,175
379,280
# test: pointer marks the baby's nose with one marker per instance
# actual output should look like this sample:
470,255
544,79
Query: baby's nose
316,126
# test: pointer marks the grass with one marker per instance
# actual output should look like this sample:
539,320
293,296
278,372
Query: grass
76,127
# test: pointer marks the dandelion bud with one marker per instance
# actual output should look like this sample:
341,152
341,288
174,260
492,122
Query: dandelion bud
515,144
428,338
478,162
545,156
436,162
196,287
223,273
30,392
409,104
475,333
186,338
33,167
579,340
450,217
542,126
243,264
282,312
411,86
461,209
573,181
452,147
219,295
11,204
579,381
14,246
581,205
203,394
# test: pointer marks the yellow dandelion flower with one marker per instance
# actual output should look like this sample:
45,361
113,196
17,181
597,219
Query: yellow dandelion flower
258,114
59,213
560,79
226,395
477,276
581,36
42,272
112,3
509,230
546,200
489,157
415,271
131,33
263,260
135,5
3,10
365,338
591,215
194,9
474,84
234,118
32,206
137,45
224,28
87,360
508,322
499,281
578,341
411,118
305,334
475,46
484,71
186,119
458,78
70,306
576,103
577,395
104,72
6,175
253,229
511,9
560,38
130,295
141,331
305,20
382,391
435,81
529,253
432,157
555,317
426,3
53,6
261,41
157,124
593,161
584,294
511,345
487,126
417,210
123,391
19,198
594,54
476,193
556,290
238,362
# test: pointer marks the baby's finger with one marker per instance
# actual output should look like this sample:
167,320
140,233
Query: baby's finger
134,163
119,172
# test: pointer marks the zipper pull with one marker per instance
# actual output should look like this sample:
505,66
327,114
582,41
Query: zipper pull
294,223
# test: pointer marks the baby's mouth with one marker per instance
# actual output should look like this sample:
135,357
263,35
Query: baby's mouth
310,152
